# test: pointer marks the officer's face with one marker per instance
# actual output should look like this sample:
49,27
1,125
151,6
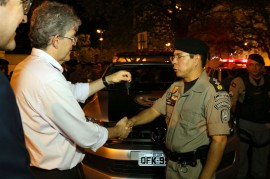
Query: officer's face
254,68
183,64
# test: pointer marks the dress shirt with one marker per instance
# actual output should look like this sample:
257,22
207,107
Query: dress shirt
54,124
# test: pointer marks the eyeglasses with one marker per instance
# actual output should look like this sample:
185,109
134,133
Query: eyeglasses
26,6
73,39
177,56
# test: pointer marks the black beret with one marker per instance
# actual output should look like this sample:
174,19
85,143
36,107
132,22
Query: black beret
256,57
191,45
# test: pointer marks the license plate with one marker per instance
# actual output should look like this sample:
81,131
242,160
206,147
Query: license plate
151,159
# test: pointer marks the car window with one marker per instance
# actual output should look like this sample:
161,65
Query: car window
146,76
163,57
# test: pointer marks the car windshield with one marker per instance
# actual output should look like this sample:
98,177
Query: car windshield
142,57
147,76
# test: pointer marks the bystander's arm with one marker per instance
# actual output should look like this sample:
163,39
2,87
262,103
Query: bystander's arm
214,156
236,90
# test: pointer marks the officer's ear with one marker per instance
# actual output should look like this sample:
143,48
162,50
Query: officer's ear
197,59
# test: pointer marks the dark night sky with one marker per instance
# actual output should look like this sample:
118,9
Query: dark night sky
23,44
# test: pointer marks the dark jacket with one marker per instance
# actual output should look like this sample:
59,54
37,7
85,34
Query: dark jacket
14,158
256,105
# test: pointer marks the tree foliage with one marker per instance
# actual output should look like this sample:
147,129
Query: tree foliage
227,26
251,25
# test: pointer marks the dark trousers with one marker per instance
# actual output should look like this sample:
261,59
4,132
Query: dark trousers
55,173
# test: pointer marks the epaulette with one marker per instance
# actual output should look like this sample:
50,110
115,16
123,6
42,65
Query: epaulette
216,83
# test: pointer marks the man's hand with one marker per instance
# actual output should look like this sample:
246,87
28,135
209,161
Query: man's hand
120,130
130,123
118,76
123,128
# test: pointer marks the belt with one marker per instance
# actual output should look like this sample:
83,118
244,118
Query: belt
40,173
189,158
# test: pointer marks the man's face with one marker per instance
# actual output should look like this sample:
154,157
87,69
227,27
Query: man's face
183,64
11,16
65,46
254,68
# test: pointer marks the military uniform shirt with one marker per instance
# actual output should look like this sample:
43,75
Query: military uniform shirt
202,111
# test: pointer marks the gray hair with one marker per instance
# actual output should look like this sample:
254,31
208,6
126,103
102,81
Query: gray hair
50,19
3,2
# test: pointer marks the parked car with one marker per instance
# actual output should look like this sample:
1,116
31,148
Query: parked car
141,155
221,73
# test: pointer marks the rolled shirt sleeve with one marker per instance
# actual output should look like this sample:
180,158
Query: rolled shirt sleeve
80,91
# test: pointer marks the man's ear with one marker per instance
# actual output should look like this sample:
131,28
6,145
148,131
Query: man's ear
55,41
197,58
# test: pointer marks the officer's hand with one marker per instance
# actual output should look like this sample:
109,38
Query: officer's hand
130,123
123,128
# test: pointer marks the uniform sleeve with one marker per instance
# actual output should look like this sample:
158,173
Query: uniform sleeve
218,112
160,104
236,91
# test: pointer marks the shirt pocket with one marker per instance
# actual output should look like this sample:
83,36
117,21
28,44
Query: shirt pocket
192,121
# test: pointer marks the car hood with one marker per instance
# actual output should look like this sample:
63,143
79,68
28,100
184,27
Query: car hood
112,105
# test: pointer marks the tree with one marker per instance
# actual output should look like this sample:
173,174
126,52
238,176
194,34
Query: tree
251,26
114,17
226,25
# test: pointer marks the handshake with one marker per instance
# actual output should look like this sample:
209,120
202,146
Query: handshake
123,128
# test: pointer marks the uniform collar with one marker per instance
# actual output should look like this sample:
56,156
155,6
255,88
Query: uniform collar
200,83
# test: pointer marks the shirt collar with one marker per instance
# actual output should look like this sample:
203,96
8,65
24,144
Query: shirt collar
47,57
197,87
200,83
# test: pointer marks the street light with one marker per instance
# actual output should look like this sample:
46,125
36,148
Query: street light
168,44
100,32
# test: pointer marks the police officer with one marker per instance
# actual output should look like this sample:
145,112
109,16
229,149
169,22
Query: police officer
250,97
197,110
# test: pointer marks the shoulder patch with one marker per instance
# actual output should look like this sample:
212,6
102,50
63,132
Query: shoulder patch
216,83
